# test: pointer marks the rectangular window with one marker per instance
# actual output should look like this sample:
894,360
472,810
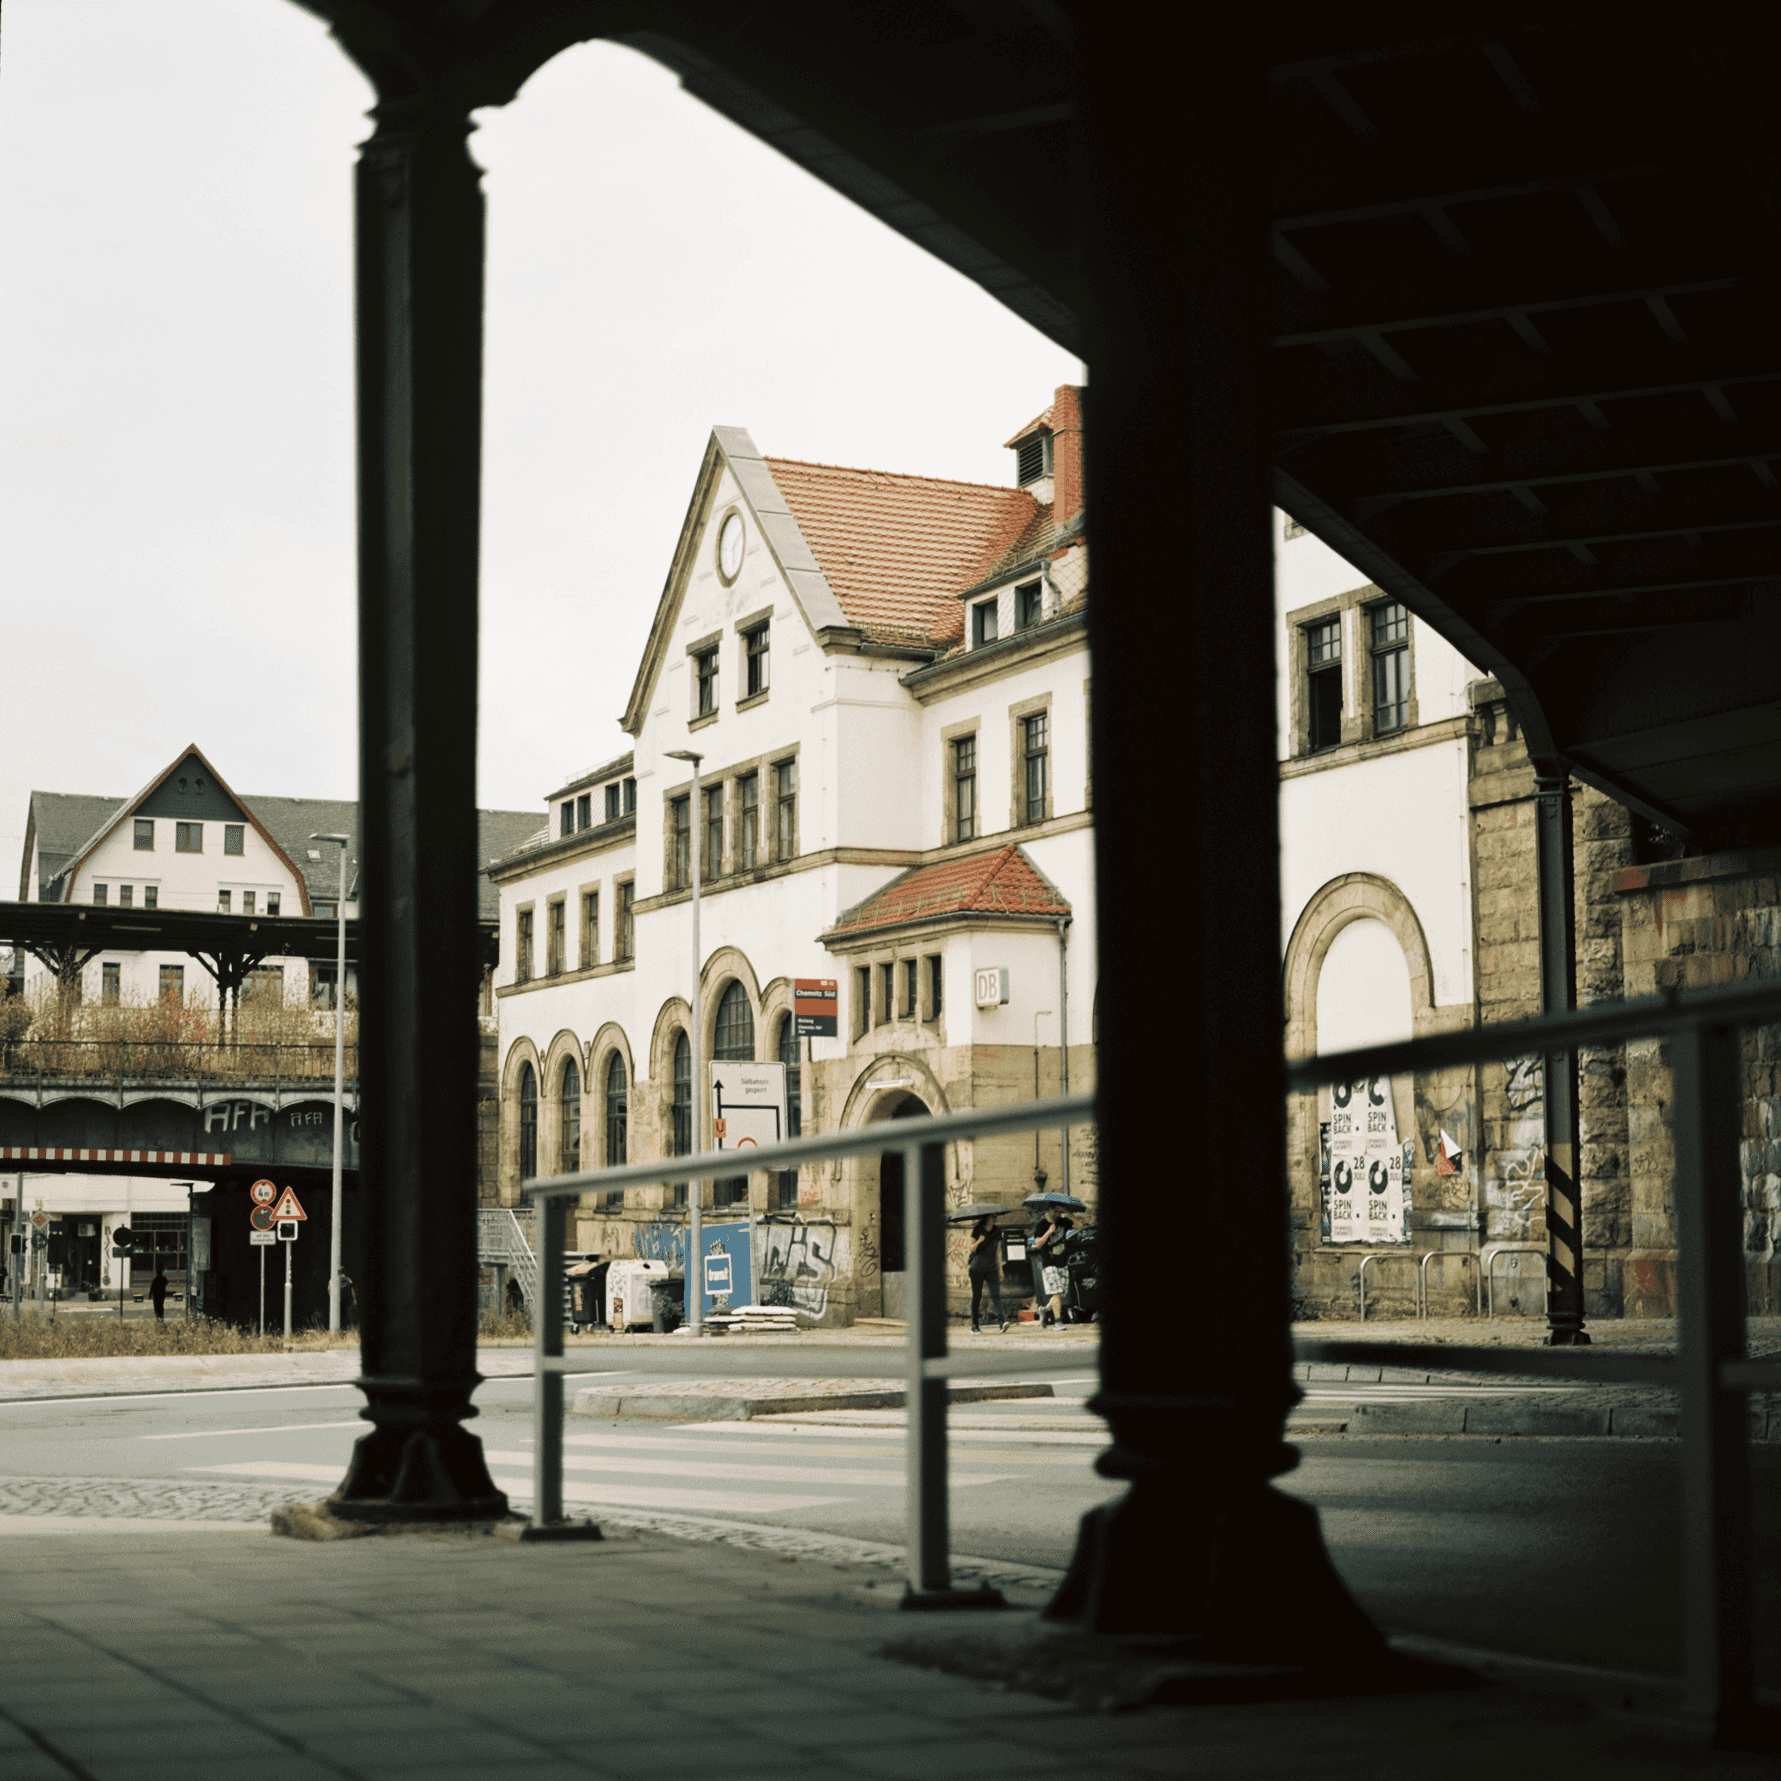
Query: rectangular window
630,796
272,902
223,900
109,985
964,788
173,983
705,673
126,896
936,985
323,981
234,837
566,822
101,894
612,801
1026,605
145,835
748,804
887,992
711,860
1323,686
680,827
626,937
756,660
785,776
983,623
1391,667
590,929
522,948
553,938
1036,749
247,902
584,811
151,896
911,975
188,837
862,999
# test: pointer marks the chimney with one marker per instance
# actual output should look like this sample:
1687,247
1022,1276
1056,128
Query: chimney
1066,454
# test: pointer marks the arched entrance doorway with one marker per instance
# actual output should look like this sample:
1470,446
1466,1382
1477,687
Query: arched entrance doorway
892,1230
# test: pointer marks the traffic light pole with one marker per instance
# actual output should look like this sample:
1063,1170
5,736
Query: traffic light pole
287,1292
262,1289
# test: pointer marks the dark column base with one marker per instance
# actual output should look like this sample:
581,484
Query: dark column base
418,1463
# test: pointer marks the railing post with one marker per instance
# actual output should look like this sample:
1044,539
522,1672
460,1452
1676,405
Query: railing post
547,1383
1717,1546
923,1220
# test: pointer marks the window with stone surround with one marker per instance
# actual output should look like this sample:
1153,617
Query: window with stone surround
748,822
1323,683
680,843
1389,634
785,791
757,661
624,939
705,680
522,945
590,929
555,922
961,786
528,1122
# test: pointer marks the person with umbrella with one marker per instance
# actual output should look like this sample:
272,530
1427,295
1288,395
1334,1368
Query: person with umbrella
1051,1244
983,1261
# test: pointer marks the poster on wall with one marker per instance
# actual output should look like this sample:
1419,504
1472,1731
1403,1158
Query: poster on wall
1368,1201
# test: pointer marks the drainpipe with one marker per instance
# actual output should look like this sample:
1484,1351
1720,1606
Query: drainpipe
1063,1034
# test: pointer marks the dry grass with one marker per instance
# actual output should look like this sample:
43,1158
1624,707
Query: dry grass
491,1326
89,1336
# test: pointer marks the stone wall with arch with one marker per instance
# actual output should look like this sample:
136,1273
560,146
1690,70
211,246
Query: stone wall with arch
1443,1207
519,1054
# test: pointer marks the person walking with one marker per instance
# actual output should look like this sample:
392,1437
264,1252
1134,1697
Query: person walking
984,1265
157,1290
1049,1246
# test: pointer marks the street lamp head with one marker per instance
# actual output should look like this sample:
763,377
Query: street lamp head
344,840
684,754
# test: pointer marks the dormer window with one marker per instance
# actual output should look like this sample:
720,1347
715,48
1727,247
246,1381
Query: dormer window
1027,605
983,623
1032,459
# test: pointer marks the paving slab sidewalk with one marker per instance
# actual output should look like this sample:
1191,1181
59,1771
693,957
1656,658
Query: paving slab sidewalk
738,1400
214,1654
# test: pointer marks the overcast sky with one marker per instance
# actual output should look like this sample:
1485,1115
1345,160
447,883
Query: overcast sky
176,496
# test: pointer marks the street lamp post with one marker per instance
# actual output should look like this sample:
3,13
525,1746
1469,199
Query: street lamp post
695,1236
343,842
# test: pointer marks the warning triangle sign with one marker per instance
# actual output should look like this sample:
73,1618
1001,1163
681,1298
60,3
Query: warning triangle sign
288,1207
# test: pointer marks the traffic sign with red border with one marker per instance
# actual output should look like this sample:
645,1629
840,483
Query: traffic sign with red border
288,1206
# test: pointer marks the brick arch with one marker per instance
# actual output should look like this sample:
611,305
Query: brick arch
674,1013
727,965
775,1005
1355,896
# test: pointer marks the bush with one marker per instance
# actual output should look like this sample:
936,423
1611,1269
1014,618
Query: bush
87,1335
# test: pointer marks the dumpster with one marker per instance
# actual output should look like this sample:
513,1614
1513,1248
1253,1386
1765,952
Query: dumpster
667,1302
585,1284
627,1293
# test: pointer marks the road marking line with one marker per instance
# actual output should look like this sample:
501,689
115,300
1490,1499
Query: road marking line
286,1428
274,1468
655,1468
782,1426
657,1497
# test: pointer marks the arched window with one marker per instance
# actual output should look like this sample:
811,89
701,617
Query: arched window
735,1027
618,1107
735,1045
683,1107
528,1122
786,1182
571,1115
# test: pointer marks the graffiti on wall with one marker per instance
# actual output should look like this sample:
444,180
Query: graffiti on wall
661,1240
1515,1179
800,1263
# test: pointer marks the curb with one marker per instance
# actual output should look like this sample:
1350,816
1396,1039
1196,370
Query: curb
1502,1417
600,1400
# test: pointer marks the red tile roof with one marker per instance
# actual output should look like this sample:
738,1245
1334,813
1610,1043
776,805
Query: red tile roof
899,550
1032,427
1001,882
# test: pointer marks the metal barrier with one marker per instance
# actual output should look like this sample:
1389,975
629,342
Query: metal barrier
927,1365
1360,1278
1710,1371
1487,1268
1422,1278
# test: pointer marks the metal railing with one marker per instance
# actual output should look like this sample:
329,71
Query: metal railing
173,1060
502,1241
1487,1268
927,1365
1710,1370
1422,1277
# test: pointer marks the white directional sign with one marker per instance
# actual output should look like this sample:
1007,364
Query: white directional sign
261,1239
747,1104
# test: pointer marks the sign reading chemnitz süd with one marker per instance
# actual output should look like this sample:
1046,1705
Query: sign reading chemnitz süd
1366,1195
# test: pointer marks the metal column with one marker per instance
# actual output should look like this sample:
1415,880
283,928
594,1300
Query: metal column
1717,1543
547,1384
1558,991
419,214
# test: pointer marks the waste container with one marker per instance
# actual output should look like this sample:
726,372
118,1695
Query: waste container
627,1293
1017,1262
667,1303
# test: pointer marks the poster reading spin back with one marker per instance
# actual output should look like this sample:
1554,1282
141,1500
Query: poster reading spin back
1366,1192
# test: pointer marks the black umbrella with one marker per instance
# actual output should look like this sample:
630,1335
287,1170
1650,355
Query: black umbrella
1056,1202
977,1209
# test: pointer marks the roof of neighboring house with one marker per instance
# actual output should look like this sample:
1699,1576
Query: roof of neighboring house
898,550
1002,881
1032,427
66,825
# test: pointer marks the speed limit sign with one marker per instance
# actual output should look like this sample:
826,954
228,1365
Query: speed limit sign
264,1192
